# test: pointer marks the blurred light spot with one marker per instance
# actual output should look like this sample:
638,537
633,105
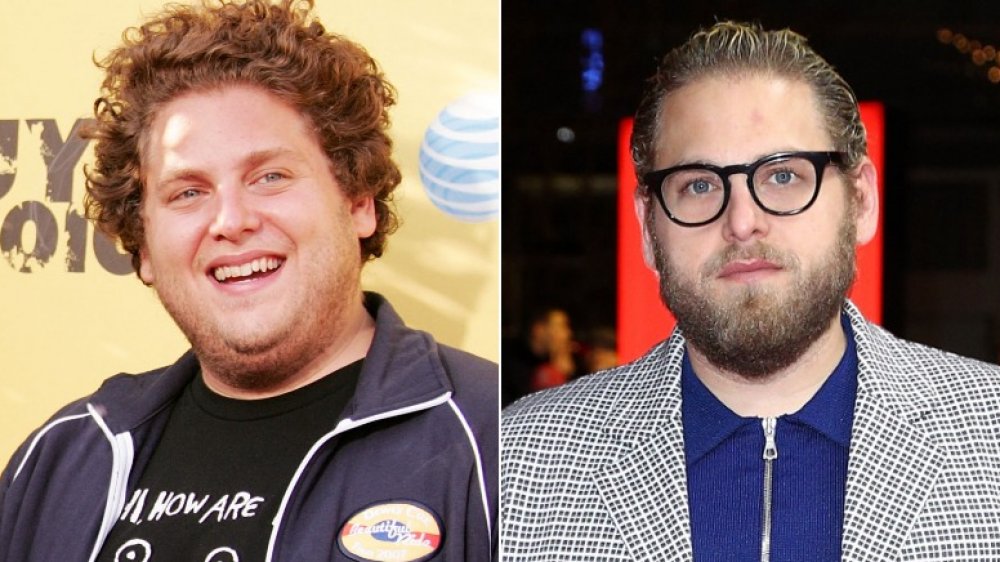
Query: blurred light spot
592,75
961,43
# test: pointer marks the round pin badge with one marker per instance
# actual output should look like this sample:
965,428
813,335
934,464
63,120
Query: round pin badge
391,531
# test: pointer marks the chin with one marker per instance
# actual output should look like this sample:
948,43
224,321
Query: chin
251,345
251,364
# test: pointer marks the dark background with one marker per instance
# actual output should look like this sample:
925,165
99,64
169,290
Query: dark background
942,193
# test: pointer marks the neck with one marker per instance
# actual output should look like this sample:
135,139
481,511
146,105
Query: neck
781,392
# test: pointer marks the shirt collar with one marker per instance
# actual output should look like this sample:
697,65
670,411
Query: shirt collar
708,422
831,410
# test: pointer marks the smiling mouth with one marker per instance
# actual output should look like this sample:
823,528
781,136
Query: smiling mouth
252,269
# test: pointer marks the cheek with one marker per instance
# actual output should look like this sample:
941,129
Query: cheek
688,250
170,243
314,227
690,263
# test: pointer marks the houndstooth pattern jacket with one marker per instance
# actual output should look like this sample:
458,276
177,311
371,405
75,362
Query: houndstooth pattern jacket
594,470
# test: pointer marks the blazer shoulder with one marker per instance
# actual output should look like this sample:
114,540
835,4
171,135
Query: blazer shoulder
558,426
653,374
946,371
920,376
583,392
580,409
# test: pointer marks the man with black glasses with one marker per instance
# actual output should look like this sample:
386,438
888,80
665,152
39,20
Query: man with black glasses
776,423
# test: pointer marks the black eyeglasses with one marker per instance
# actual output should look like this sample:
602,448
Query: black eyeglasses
786,183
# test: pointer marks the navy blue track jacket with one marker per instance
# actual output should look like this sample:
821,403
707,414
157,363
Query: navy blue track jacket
421,427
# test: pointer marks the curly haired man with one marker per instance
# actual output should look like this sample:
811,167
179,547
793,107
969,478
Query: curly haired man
242,160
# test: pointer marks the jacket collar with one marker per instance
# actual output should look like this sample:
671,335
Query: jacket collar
402,369
891,469
127,401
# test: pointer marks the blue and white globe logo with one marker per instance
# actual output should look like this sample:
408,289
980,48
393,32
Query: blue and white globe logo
460,158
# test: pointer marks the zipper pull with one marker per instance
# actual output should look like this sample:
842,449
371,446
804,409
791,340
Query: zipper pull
770,447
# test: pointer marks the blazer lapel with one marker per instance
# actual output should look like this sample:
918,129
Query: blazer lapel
645,489
646,494
891,470
893,464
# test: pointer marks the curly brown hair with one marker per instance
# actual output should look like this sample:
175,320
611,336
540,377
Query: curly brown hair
334,83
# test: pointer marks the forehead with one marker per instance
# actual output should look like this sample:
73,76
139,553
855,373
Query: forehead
217,124
731,119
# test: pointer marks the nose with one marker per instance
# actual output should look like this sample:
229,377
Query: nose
743,219
235,216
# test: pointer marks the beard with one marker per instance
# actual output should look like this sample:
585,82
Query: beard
756,331
262,354
259,361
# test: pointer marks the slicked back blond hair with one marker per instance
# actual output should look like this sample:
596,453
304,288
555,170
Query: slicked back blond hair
739,49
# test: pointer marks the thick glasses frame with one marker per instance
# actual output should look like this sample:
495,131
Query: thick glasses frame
819,159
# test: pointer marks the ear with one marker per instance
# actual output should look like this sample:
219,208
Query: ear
363,215
866,207
145,267
640,204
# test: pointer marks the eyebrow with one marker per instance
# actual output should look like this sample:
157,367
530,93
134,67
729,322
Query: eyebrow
758,157
252,160
258,157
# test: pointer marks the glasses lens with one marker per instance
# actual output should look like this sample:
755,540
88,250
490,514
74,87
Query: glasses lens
693,196
785,185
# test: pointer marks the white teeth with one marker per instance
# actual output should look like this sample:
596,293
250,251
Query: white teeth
245,270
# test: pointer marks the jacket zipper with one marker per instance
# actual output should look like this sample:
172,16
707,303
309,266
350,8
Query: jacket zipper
122,457
343,426
770,453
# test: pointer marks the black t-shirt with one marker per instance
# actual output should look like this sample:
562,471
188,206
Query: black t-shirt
218,475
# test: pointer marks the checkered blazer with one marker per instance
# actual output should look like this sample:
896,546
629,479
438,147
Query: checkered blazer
594,470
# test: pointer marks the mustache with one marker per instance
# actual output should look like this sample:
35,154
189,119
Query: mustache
758,251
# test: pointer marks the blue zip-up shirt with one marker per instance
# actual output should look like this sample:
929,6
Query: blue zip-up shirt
725,471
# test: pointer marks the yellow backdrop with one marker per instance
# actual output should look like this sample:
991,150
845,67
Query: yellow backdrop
67,322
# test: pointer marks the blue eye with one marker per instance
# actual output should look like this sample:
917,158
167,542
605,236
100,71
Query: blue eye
188,193
784,176
700,187
271,177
